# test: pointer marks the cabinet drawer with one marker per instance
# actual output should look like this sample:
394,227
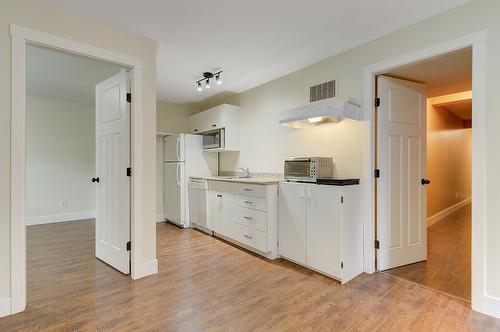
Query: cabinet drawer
251,218
256,203
251,237
254,190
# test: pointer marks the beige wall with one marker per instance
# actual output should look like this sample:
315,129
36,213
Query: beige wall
31,14
449,147
171,118
60,157
261,107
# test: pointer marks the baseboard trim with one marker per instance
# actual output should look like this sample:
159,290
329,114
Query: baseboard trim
446,212
5,303
146,269
53,218
160,217
492,306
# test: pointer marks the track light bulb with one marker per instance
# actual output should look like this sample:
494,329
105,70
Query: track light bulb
207,84
199,88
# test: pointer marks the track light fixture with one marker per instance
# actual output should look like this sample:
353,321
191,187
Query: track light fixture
207,76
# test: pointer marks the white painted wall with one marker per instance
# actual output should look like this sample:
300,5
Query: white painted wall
32,14
171,118
60,160
264,144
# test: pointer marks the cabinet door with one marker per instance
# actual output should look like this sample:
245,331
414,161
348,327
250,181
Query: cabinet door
324,229
214,208
221,207
292,222
227,213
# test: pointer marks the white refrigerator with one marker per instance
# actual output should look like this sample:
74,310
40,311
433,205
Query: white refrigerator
183,157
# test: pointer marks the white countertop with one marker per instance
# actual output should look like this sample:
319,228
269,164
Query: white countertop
252,180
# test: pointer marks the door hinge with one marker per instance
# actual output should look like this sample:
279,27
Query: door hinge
129,171
376,173
377,244
377,102
129,246
341,265
342,199
129,97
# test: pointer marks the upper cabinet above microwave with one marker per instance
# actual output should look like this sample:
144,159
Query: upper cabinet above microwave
225,117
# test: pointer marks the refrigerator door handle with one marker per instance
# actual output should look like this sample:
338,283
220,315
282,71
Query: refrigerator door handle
178,149
178,175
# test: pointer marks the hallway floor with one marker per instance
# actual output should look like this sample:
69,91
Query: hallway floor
448,265
205,284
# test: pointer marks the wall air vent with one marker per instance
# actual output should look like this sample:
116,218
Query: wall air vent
322,91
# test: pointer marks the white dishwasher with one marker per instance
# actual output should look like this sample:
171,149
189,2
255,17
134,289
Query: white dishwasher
198,198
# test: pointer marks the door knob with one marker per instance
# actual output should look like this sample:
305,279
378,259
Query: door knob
425,181
95,180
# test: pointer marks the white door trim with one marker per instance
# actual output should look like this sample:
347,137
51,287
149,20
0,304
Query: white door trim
477,41
19,37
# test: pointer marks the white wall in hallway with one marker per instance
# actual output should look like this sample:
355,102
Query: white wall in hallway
60,160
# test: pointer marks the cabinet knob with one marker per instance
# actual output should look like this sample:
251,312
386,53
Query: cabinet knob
248,236
95,179
425,181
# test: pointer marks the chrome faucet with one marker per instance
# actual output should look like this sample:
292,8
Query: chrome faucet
246,171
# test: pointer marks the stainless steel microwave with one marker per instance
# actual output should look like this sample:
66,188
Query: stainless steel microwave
308,169
214,139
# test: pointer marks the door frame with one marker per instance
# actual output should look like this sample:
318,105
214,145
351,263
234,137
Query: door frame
477,40
20,36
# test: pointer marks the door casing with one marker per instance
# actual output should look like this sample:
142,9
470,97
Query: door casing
20,36
477,41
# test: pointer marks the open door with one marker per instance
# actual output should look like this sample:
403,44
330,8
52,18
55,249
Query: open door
112,112
401,153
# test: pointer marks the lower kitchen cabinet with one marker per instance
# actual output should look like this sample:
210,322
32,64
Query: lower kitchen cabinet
245,214
321,227
221,207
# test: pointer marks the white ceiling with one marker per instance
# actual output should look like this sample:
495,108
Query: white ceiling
252,41
64,76
445,74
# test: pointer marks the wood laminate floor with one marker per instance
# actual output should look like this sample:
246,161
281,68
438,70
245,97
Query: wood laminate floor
448,265
207,285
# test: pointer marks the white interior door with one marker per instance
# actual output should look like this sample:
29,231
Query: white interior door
401,194
112,113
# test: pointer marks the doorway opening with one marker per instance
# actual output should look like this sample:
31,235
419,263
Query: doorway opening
424,153
77,197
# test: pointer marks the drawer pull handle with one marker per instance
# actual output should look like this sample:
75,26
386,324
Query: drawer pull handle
248,236
248,202
248,189
249,218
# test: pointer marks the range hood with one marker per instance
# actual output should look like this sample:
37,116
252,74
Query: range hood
316,114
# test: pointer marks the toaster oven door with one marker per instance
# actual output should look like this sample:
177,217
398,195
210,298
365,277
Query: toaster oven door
298,169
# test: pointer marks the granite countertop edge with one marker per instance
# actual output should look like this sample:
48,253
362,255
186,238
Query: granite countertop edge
255,180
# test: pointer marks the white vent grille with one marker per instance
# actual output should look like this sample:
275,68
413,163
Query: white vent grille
322,91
